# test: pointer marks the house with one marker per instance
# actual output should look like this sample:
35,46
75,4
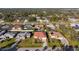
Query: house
46,20
17,25
1,21
27,26
28,35
75,25
3,32
5,27
2,37
51,26
40,36
73,19
43,20
20,36
39,20
37,17
25,21
33,15
39,27
57,35
9,34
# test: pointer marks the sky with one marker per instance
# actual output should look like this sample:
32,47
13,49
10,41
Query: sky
39,4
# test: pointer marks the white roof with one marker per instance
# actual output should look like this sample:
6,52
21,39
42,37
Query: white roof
73,24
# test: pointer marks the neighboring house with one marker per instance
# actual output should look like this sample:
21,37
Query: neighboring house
46,20
9,34
74,25
51,26
28,35
27,26
25,21
40,36
1,21
73,19
2,37
2,32
33,15
39,27
57,35
5,27
20,36
17,25
37,17
39,20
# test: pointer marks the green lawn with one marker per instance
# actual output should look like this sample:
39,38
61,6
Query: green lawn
74,42
29,42
7,42
54,42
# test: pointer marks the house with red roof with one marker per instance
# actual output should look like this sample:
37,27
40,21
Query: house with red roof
40,36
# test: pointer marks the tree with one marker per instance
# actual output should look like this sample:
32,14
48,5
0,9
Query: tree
54,18
8,17
31,19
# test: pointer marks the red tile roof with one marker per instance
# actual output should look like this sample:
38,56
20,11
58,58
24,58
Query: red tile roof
40,34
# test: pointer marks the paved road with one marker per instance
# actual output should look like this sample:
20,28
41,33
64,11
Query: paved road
40,49
31,49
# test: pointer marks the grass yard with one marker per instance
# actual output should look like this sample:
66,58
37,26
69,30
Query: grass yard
7,43
55,42
29,43
74,42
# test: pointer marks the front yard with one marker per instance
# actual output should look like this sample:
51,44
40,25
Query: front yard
29,43
55,42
